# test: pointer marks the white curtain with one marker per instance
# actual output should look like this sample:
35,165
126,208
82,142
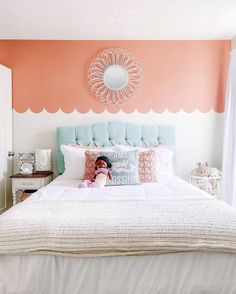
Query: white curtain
228,184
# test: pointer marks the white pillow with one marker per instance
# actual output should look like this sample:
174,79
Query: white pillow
165,165
74,160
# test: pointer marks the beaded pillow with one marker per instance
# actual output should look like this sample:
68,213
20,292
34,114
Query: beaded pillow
147,166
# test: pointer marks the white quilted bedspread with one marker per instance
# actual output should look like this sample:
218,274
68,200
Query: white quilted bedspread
164,217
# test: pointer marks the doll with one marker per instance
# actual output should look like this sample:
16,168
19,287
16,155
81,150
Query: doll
102,171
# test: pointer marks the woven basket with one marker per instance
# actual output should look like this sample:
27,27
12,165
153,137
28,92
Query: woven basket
210,185
25,194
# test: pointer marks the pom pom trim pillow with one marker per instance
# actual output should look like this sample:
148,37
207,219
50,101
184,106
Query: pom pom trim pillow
91,157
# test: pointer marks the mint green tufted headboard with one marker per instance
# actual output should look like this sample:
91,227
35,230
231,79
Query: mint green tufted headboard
112,133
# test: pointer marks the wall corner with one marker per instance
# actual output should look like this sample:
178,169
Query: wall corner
233,43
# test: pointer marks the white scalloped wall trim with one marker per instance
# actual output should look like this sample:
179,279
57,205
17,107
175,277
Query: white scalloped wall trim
166,110
199,136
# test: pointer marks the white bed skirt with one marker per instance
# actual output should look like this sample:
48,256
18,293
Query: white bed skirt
175,273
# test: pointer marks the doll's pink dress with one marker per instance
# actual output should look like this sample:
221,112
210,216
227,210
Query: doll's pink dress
99,181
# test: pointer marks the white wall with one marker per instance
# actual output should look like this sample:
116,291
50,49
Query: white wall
198,135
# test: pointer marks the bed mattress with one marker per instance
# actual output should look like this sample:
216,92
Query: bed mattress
194,271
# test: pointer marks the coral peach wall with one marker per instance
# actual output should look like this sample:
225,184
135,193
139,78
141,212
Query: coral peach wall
52,75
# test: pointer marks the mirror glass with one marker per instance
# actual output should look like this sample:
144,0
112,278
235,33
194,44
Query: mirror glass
116,77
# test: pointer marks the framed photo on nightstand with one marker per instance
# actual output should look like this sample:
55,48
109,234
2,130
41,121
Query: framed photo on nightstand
26,163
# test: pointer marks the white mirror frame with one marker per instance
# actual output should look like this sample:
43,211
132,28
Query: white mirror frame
115,76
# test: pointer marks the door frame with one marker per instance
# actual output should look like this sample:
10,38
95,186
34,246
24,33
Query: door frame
6,113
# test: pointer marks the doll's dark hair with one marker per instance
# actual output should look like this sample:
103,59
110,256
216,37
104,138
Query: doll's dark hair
106,159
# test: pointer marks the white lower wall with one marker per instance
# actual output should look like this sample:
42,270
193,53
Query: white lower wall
199,136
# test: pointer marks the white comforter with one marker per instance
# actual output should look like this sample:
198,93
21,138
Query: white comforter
170,216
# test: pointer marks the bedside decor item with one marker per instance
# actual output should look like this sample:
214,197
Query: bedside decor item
206,178
115,76
202,170
26,162
43,159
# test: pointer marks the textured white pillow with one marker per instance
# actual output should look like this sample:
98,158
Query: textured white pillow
165,165
74,160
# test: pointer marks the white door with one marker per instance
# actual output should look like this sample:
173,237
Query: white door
5,137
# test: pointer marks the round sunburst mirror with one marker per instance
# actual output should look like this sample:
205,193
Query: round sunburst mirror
115,76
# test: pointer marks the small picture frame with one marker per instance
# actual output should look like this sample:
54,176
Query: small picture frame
26,162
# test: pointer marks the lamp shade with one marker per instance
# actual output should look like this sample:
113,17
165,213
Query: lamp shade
43,159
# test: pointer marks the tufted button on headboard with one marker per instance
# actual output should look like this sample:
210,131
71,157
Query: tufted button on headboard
112,133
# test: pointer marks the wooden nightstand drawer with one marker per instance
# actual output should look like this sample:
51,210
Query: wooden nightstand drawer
28,183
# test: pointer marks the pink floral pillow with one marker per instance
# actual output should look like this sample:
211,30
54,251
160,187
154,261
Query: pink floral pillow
147,166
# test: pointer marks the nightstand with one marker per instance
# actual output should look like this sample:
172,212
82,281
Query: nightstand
34,181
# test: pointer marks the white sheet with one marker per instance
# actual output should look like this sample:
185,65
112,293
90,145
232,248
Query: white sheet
175,273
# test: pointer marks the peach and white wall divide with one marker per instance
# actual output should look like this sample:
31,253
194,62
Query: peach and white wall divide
184,85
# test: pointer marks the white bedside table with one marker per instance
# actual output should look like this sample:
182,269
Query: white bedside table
30,182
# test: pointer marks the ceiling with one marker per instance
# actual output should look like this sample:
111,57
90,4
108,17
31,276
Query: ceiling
120,19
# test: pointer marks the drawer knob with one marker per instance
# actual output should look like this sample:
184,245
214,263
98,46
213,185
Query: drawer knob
28,184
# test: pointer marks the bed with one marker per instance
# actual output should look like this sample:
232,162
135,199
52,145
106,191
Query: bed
164,237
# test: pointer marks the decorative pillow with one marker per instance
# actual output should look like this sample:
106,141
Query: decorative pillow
165,161
147,166
165,158
124,168
74,160
91,157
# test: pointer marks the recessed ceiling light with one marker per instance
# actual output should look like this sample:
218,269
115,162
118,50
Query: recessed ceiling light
131,12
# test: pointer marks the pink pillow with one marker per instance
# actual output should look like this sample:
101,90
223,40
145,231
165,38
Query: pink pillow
147,166
146,169
90,159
